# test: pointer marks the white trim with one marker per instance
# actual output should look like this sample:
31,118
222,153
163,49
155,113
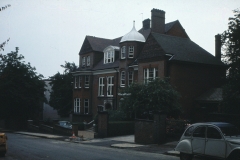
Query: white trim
123,49
103,71
77,105
129,77
110,85
83,61
87,86
131,51
101,86
88,60
124,94
122,80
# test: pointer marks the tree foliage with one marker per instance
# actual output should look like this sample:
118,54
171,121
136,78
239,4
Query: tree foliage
231,56
157,95
21,88
62,93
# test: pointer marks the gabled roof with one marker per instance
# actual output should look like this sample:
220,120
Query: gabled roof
98,44
212,95
181,49
168,26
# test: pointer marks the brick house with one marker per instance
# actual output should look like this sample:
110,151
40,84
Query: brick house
162,50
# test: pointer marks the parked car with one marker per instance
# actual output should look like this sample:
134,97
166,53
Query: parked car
213,139
3,144
65,124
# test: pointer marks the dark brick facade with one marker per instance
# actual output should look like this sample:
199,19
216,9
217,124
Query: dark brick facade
168,49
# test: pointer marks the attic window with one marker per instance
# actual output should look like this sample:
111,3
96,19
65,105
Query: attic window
109,56
83,61
88,60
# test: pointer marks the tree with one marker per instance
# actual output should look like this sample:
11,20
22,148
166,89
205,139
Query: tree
157,95
231,56
21,88
62,93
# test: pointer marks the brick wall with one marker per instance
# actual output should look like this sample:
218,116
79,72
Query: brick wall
192,80
178,31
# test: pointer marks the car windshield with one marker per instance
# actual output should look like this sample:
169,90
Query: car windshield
230,130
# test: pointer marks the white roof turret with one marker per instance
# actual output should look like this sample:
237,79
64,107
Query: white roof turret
133,35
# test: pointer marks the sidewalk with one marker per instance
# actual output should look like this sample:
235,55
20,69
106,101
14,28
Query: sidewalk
121,142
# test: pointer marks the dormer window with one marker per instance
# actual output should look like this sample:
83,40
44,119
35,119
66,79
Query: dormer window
123,52
83,61
131,52
109,54
88,60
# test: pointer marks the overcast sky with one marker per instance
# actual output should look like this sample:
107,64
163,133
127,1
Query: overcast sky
50,32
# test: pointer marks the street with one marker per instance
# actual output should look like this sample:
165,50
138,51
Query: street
22,147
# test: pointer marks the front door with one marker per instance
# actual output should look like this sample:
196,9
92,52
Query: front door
215,143
198,140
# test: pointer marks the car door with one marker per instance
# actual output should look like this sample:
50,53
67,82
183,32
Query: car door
198,140
215,143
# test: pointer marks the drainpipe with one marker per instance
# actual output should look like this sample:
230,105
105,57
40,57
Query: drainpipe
116,93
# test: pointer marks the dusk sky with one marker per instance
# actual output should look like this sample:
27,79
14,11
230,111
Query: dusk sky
50,32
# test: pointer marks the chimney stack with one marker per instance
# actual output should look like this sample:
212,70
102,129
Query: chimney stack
158,21
146,24
218,46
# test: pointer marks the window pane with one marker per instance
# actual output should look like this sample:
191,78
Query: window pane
199,132
189,131
213,133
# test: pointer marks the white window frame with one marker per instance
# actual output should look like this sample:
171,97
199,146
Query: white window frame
149,74
123,52
79,81
122,79
109,56
77,105
88,60
110,86
83,61
75,82
131,52
87,81
86,105
101,86
130,78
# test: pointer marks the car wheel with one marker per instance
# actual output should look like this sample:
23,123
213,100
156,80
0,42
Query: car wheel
185,156
235,156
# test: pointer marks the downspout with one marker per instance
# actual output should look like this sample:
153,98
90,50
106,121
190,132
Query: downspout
116,93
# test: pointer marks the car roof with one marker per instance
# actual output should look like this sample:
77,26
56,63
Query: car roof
218,124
